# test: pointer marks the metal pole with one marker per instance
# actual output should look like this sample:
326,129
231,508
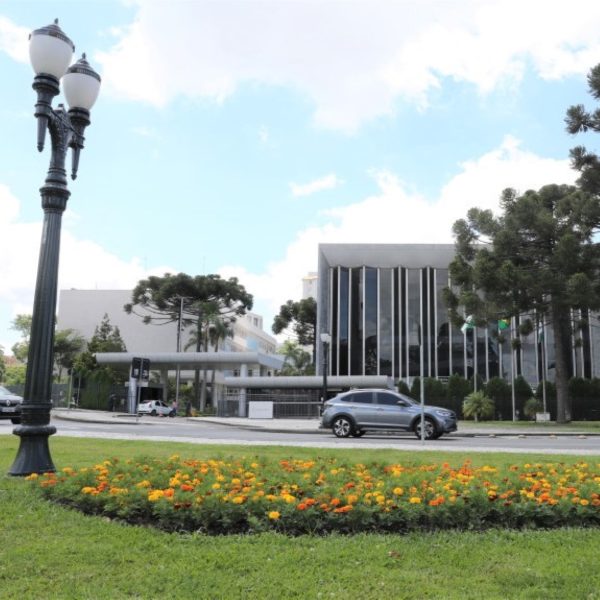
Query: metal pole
325,367
178,371
66,131
512,372
421,369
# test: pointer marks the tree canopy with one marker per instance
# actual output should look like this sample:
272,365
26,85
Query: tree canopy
162,298
106,338
67,344
537,258
580,120
22,324
198,301
301,316
297,360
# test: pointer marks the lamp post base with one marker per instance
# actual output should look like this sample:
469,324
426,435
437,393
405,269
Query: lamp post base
33,455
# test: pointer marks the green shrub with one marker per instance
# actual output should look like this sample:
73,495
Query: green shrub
499,391
532,407
478,406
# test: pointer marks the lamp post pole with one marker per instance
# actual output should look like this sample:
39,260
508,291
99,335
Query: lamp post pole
50,52
326,340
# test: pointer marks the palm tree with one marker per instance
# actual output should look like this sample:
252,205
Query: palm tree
212,328
220,329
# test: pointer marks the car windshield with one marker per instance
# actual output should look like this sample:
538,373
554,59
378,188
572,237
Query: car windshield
3,390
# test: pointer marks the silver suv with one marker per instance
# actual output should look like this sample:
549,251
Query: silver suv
357,411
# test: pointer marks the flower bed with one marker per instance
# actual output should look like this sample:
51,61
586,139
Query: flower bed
326,495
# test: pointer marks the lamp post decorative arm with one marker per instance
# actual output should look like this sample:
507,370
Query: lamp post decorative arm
50,51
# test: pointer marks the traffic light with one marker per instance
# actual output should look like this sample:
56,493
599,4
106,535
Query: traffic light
136,367
140,368
145,376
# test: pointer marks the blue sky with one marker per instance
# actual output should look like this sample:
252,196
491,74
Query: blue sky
234,137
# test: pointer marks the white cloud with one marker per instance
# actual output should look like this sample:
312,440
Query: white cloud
14,40
328,182
353,60
83,264
393,215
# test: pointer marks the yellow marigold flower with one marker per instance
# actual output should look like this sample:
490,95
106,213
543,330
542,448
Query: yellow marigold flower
88,490
68,471
584,502
274,515
143,484
352,498
31,477
216,486
415,500
239,499
155,495
398,491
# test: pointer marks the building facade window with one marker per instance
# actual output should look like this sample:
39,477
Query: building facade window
381,317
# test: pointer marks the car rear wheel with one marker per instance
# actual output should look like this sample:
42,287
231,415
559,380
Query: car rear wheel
342,427
431,432
152,413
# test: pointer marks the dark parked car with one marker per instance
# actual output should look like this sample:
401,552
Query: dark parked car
358,411
10,405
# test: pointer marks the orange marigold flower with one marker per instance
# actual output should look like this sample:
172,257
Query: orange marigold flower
301,506
343,509
335,502
186,487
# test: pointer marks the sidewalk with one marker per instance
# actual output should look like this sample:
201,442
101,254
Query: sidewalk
310,426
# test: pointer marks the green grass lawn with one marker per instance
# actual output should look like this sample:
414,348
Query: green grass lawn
47,551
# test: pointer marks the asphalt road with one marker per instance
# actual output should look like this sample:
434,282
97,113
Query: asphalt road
211,433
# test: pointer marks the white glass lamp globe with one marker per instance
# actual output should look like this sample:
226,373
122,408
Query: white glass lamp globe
50,50
81,85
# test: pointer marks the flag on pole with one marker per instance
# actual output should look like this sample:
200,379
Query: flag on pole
503,324
468,324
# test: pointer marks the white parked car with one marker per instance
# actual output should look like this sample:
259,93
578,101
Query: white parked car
154,408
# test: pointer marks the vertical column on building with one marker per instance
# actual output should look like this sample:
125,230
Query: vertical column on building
242,406
164,379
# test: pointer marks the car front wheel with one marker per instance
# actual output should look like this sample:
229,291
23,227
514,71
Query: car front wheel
152,413
342,427
431,432
15,420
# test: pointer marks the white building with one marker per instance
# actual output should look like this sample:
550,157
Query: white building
83,311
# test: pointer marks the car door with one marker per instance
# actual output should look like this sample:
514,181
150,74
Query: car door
392,411
362,408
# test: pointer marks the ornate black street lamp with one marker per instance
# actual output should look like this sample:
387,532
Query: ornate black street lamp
50,51
326,340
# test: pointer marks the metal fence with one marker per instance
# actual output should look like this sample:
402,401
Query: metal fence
286,405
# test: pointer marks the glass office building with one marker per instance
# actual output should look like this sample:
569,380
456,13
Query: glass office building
380,301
